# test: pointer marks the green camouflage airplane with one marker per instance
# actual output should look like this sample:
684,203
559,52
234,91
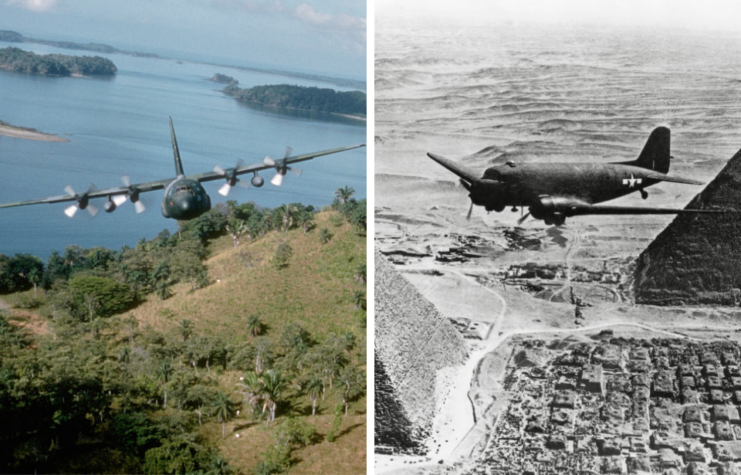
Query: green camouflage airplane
556,191
184,198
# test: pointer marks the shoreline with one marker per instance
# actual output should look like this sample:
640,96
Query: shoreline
7,130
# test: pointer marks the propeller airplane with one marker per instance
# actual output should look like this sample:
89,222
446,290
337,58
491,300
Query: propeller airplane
556,191
184,197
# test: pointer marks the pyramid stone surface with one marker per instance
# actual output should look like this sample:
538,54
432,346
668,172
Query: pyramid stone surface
413,342
696,260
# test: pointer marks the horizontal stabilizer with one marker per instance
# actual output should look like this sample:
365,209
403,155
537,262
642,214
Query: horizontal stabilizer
673,179
459,170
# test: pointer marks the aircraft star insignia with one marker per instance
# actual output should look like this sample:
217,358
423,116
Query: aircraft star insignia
632,181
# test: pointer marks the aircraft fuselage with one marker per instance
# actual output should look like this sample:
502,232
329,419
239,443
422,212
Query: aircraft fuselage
523,184
185,199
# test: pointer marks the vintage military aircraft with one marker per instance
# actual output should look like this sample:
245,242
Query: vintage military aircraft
556,191
184,197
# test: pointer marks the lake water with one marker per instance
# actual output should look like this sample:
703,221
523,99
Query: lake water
119,126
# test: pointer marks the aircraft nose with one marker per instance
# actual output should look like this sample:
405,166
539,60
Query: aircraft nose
184,205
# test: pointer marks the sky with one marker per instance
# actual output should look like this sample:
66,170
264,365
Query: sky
692,14
316,36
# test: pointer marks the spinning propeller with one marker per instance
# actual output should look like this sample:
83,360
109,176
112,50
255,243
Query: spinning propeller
133,196
231,178
83,201
281,167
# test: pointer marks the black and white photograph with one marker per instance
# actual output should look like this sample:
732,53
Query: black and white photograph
557,237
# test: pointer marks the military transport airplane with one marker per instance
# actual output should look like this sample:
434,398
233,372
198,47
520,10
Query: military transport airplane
556,191
184,196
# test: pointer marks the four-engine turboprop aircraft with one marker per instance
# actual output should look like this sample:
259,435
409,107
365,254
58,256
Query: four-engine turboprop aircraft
556,191
184,197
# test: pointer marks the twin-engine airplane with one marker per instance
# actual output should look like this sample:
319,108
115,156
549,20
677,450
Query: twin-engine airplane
556,191
184,197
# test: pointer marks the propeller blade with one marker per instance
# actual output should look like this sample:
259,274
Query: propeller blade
296,171
219,170
240,162
69,190
277,179
92,209
119,199
470,210
140,208
268,161
289,151
243,184
126,180
522,219
225,188
71,210
465,185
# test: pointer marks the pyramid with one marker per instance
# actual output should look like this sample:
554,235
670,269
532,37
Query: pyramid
696,260
413,342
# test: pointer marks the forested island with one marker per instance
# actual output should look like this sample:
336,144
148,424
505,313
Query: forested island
352,103
234,346
224,79
15,37
27,62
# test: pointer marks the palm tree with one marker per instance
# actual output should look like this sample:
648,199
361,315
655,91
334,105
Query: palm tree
305,219
255,325
263,354
252,391
361,273
223,409
343,194
236,228
273,386
164,373
352,379
324,235
185,329
359,300
34,276
313,389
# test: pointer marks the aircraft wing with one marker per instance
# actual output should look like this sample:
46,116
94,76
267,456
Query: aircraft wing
256,167
105,193
585,209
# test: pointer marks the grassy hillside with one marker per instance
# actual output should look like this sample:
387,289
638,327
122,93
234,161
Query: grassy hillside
136,360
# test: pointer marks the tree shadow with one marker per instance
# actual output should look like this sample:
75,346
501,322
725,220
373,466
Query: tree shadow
347,430
246,425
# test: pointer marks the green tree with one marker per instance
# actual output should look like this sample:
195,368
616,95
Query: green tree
324,235
273,386
314,388
111,296
359,300
164,373
223,409
255,325
353,384
282,256
343,194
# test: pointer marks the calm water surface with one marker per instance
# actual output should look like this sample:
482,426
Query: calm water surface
119,126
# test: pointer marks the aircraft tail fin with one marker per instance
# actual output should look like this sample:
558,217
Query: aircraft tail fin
459,170
656,153
176,152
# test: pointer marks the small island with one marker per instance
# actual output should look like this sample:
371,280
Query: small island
27,62
224,79
351,104
8,130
